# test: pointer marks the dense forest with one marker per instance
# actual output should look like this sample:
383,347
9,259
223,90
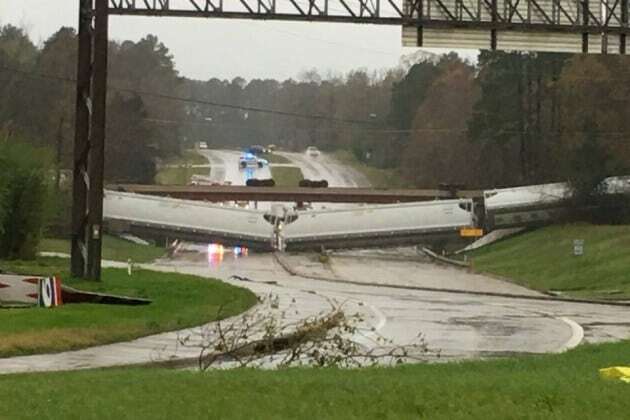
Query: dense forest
508,119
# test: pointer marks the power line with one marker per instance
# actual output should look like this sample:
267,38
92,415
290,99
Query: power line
35,75
419,130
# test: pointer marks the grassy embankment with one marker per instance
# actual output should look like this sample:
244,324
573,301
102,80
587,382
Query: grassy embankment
543,260
179,301
114,249
378,178
563,386
177,171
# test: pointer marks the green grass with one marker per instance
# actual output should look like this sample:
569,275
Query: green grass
114,249
274,158
563,386
543,260
286,176
179,301
177,170
188,157
178,176
378,178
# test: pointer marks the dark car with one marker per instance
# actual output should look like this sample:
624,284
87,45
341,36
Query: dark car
256,150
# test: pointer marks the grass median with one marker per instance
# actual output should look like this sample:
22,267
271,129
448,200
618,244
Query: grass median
178,301
178,170
543,260
275,158
563,386
286,176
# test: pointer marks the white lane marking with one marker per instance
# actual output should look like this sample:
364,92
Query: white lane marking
369,337
382,318
577,335
577,332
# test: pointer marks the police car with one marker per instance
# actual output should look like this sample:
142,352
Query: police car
250,160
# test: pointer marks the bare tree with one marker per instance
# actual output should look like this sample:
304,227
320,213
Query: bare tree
268,336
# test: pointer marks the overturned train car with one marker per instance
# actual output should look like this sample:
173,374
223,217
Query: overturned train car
536,205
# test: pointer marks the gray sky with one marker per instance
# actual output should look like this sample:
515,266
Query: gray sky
205,48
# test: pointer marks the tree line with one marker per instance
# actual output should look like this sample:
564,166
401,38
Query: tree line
507,119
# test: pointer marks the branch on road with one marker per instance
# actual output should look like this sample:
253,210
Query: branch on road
271,337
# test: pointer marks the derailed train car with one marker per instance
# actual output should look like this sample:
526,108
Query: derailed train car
538,204
396,224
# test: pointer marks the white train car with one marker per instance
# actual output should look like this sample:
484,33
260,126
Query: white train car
538,204
359,226
188,220
617,185
529,205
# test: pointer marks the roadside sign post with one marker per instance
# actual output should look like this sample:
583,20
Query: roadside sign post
578,247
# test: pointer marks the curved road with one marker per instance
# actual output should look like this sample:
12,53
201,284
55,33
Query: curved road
455,325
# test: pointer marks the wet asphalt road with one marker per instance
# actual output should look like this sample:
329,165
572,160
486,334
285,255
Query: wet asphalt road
224,167
455,325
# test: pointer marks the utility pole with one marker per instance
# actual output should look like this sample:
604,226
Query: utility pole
89,141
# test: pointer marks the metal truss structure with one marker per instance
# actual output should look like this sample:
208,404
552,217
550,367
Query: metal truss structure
552,25
581,18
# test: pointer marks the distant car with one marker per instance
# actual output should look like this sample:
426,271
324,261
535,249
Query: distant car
256,150
203,145
249,160
312,151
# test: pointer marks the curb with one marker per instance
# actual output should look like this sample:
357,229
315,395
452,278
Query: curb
293,272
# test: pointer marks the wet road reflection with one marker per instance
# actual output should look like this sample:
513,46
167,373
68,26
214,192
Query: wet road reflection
217,253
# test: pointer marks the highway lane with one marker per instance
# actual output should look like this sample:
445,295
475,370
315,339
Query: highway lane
225,167
455,325
326,167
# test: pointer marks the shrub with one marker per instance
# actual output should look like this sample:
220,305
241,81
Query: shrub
24,198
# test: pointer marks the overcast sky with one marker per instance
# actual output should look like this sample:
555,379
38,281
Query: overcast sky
205,48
